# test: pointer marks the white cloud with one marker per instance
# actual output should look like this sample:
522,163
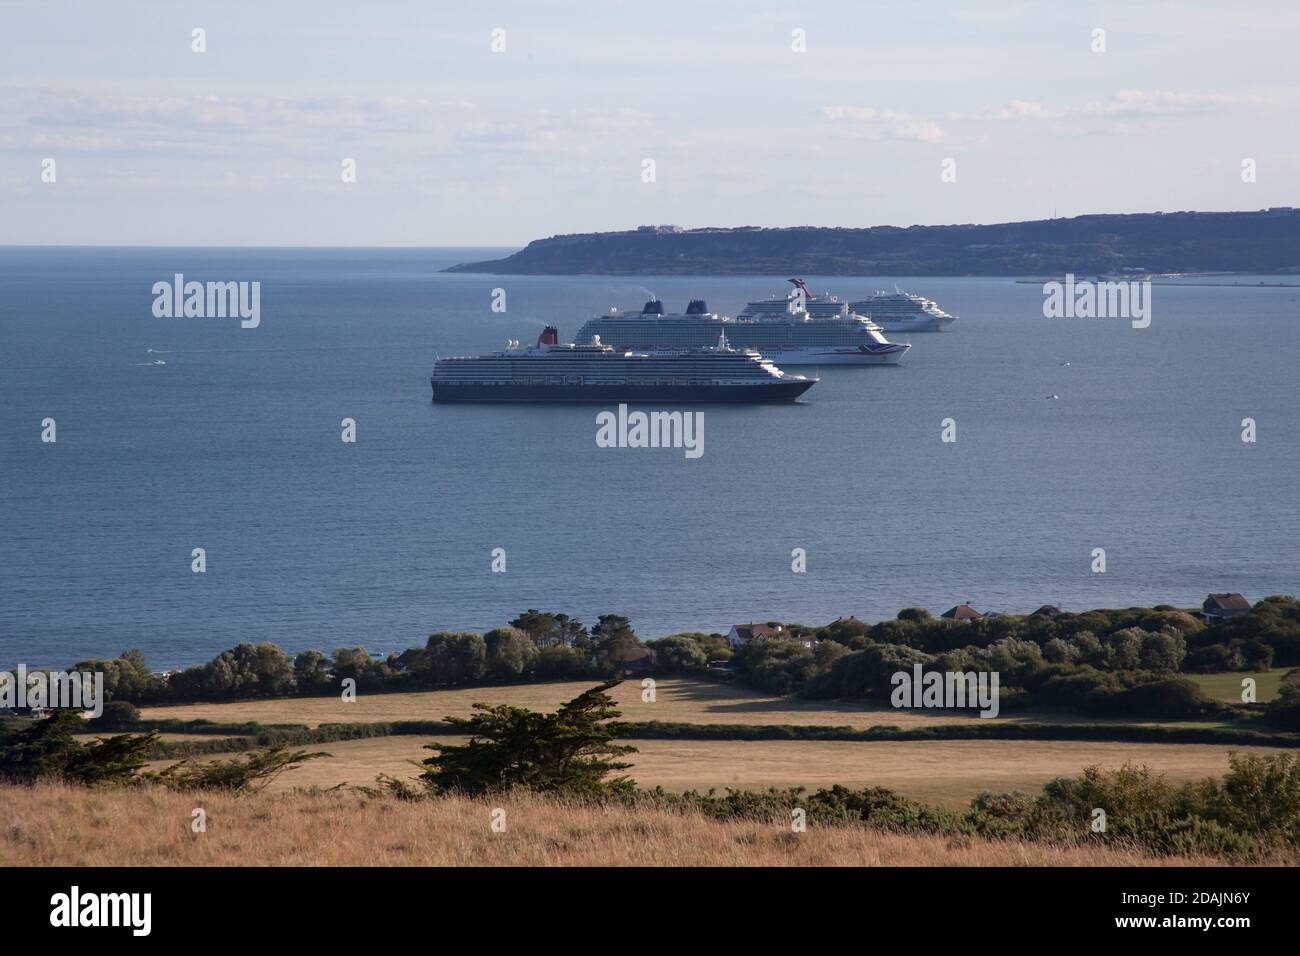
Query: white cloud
1014,110
1164,103
887,123
1124,105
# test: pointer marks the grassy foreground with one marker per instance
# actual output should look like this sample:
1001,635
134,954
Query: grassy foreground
53,824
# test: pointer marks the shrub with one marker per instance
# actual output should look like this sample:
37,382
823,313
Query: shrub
1173,697
118,714
247,773
558,660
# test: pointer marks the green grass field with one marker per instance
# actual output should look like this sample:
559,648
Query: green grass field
1227,687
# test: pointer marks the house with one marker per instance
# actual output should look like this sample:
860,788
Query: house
1047,610
1220,607
742,634
962,612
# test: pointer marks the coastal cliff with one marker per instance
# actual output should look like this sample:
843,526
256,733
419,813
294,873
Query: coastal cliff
1267,241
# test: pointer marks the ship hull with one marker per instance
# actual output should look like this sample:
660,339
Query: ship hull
779,391
835,355
783,344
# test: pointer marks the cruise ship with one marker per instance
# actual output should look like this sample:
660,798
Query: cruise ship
798,301
778,328
900,311
550,372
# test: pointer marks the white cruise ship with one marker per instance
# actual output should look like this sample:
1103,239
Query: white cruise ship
900,311
787,333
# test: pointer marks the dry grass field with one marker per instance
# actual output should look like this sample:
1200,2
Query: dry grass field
55,825
679,700
950,772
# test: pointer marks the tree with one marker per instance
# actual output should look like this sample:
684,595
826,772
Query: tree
826,653
677,653
311,672
48,749
611,629
547,630
613,636
848,631
1058,651
570,630
246,670
457,656
1163,651
510,652
357,664
126,677
540,628
1125,647
570,751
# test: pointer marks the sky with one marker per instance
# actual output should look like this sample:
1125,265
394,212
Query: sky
752,113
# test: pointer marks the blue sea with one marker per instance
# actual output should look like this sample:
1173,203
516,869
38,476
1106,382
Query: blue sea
1072,434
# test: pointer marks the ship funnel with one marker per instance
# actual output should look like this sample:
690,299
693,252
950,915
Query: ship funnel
697,307
653,307
550,336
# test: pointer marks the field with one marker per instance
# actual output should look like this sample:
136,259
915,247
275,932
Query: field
313,816
950,772
55,825
1227,687
676,700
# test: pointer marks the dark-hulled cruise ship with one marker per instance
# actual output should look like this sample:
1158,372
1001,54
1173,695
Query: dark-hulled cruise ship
550,372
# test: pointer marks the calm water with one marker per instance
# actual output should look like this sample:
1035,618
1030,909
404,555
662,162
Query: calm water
233,446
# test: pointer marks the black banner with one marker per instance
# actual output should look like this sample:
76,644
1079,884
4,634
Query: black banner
142,906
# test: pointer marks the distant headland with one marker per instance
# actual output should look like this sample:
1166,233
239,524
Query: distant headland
1266,241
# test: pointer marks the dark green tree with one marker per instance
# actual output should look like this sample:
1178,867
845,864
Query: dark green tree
48,750
613,637
540,627
311,672
547,630
570,751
